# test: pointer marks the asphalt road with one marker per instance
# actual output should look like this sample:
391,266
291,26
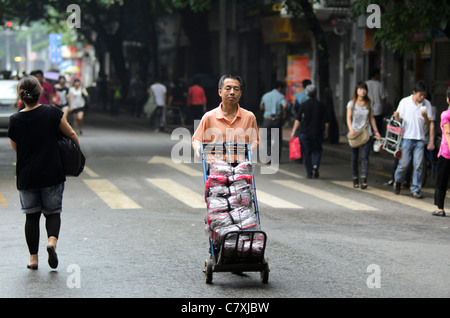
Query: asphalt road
125,234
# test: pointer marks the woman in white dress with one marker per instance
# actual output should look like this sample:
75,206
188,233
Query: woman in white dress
77,101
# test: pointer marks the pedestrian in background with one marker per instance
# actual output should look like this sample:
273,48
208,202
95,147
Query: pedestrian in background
312,121
77,102
137,93
159,90
33,133
47,94
301,97
360,116
274,106
377,95
61,95
414,112
443,165
196,101
178,97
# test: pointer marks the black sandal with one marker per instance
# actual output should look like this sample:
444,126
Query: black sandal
32,266
438,213
363,183
355,183
52,256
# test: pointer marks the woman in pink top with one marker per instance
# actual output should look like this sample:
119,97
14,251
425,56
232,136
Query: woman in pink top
443,173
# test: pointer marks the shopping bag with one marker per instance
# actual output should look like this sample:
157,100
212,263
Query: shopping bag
294,149
72,158
150,105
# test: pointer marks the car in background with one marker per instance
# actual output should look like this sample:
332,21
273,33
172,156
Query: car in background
8,97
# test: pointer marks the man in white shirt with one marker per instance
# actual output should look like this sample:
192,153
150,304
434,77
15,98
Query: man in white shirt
159,90
377,95
414,112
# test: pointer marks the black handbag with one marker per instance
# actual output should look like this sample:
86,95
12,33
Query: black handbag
72,158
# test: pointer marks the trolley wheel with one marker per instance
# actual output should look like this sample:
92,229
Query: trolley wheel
265,273
208,271
398,154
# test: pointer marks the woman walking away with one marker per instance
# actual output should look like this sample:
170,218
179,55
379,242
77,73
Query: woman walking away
443,162
61,92
360,116
33,133
77,101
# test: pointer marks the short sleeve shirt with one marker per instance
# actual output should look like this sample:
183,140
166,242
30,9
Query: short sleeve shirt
196,95
376,93
216,128
413,122
159,90
45,96
273,102
443,150
312,115
35,133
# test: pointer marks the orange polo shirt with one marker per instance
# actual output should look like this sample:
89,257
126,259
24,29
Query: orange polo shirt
216,128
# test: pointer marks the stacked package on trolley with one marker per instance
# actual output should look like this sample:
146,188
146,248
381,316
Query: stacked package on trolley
229,197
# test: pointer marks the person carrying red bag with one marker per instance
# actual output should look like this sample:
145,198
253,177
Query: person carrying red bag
312,117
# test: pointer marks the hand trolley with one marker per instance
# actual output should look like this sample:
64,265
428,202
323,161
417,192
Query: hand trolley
235,251
394,134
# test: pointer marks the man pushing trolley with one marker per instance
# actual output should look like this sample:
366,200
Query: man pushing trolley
225,140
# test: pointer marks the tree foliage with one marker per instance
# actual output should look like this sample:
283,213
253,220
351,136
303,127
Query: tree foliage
408,25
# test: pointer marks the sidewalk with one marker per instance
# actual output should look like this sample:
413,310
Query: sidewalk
381,161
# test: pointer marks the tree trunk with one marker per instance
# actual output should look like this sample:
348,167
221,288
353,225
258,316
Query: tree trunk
325,92
195,25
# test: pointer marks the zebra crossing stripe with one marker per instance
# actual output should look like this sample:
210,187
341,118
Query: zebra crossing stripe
90,172
111,195
275,202
324,195
177,166
399,198
179,192
3,202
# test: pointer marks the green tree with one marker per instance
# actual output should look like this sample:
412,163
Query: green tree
407,25
107,24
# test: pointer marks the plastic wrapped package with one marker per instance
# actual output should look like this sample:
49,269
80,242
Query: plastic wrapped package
245,250
237,187
241,216
220,232
220,168
217,180
247,178
221,183
219,204
245,167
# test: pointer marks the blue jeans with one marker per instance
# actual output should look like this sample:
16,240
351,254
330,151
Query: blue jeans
46,200
411,150
365,152
311,145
